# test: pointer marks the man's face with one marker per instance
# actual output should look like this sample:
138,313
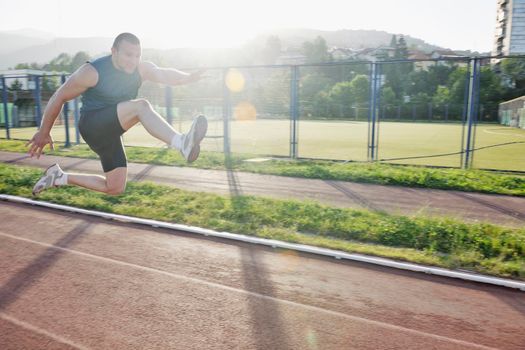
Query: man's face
126,56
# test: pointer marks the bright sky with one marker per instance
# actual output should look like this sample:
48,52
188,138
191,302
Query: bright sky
455,24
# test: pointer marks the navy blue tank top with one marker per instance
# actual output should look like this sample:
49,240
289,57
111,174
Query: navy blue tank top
113,86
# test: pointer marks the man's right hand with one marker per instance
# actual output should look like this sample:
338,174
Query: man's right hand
38,142
83,78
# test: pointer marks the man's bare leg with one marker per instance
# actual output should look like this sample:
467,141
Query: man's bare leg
113,183
131,112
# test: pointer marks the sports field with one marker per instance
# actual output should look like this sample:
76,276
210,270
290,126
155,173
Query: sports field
347,140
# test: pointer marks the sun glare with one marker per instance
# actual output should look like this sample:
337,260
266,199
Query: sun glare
207,25
235,80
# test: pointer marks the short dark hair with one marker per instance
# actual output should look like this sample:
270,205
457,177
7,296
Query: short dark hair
130,38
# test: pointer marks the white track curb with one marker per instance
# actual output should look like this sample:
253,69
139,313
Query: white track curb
278,244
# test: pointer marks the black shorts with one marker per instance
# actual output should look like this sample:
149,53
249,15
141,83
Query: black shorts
102,131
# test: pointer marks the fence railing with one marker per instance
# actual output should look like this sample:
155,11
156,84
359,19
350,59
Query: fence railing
251,107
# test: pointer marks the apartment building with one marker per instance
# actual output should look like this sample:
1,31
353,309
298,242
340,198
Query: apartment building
510,28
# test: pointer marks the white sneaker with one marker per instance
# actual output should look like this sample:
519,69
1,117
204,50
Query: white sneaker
48,179
191,141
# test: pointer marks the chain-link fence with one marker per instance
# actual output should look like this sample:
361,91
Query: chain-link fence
436,112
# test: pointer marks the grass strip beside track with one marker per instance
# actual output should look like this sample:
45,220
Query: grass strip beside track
440,242
384,174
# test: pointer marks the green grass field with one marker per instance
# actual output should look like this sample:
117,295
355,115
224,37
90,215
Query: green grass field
346,140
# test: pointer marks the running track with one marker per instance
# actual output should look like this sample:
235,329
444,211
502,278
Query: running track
69,281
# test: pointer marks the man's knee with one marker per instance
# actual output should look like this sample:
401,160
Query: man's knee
142,105
115,186
115,190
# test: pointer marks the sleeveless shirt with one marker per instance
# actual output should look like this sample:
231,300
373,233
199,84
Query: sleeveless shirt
113,86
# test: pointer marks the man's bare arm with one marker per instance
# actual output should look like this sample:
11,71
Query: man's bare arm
169,76
84,78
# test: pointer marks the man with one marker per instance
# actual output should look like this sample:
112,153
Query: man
109,87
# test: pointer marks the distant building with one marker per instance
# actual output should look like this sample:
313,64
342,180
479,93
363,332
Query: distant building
26,77
449,57
443,54
422,59
343,53
512,113
291,58
418,55
375,54
509,38
367,54
21,103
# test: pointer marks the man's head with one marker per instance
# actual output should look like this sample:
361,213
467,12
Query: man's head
126,52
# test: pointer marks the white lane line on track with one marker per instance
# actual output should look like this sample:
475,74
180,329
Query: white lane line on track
41,331
474,277
261,296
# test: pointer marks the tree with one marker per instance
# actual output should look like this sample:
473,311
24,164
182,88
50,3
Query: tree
421,99
49,83
271,50
321,105
273,94
360,89
402,54
439,74
393,42
388,101
342,98
442,96
316,51
311,85
388,97
401,48
419,81
397,73
32,65
15,86
78,60
60,63
491,92
513,71
394,78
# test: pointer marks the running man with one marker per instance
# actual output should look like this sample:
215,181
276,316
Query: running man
109,87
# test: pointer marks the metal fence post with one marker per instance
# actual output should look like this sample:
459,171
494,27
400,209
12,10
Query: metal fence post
379,81
168,95
226,112
38,100
472,110
65,113
477,112
6,110
373,110
294,110
464,113
77,117
370,110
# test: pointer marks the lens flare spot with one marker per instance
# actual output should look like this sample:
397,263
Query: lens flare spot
235,80
244,111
